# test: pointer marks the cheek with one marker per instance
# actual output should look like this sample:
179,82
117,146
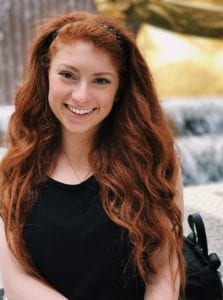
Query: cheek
109,103
115,96
55,92
53,97
51,89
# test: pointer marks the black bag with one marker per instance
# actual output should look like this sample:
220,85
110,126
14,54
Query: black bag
203,280
1,294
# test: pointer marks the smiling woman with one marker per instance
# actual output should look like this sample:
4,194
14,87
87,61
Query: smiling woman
81,95
91,190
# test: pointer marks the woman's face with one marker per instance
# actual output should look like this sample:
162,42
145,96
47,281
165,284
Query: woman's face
83,82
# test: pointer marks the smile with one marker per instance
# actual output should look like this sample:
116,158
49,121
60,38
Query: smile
79,111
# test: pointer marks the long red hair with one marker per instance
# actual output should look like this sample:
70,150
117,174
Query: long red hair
133,154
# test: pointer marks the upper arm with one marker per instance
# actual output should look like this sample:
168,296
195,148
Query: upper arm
7,260
178,199
163,286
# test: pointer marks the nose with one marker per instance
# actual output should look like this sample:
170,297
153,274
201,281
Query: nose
81,92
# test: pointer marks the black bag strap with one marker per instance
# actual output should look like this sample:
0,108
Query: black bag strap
199,234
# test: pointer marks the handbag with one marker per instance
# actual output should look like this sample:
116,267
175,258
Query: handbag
203,279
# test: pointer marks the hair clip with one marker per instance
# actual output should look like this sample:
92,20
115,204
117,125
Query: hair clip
51,37
114,32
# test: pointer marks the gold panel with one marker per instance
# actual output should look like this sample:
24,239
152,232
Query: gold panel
182,65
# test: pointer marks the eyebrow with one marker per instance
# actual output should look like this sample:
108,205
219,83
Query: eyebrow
76,70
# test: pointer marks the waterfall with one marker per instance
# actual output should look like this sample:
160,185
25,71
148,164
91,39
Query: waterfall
202,158
199,136
196,117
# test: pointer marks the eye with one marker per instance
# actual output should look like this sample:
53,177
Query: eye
67,75
102,81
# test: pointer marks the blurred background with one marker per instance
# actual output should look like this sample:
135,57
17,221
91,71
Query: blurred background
181,41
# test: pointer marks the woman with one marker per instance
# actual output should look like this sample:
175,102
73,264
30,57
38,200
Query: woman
90,186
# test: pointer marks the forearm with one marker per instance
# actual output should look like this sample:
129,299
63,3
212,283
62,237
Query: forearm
163,287
18,285
24,287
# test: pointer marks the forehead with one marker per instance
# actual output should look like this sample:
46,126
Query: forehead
83,53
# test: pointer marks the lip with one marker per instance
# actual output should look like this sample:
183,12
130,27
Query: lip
79,111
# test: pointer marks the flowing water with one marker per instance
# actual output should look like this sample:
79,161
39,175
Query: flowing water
199,135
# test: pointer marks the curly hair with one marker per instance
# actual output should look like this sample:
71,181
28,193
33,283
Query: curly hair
133,155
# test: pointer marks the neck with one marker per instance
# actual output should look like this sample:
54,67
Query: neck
78,146
73,164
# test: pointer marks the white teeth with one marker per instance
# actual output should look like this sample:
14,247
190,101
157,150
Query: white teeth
79,111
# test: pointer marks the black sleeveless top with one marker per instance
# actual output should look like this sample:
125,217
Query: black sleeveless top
76,247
